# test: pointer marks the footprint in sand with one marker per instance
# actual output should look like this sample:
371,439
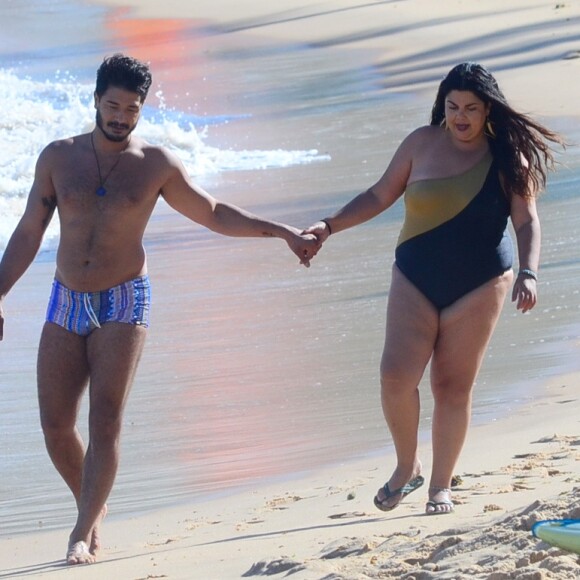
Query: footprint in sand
167,541
347,515
281,503
347,547
244,525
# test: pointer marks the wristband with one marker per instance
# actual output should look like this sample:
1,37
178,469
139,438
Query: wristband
328,226
529,273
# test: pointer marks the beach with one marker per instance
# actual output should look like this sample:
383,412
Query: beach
324,525
254,441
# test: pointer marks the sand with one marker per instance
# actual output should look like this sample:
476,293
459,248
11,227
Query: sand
322,524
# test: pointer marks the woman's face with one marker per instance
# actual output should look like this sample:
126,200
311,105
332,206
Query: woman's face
465,115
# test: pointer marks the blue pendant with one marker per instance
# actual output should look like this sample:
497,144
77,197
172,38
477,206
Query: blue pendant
101,191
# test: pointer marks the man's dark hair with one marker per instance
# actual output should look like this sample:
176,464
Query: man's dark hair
123,72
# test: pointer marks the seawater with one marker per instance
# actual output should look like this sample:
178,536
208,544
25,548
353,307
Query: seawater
38,112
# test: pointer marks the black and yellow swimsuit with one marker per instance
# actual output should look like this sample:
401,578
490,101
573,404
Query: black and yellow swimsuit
455,236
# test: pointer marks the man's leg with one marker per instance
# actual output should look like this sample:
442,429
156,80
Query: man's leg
62,375
113,353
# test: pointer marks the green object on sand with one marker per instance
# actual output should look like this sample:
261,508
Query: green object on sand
563,534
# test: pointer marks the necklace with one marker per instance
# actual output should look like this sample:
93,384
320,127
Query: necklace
101,191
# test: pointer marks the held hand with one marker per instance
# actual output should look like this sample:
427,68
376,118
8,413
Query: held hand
320,230
305,246
524,294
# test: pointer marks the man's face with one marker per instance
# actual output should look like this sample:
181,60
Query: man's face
118,112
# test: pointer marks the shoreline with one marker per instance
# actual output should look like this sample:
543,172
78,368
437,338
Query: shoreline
514,472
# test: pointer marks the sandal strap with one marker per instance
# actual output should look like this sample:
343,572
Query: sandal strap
406,489
437,489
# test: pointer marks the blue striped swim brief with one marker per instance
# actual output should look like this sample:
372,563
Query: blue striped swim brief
83,312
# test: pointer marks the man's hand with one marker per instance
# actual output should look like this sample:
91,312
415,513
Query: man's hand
305,246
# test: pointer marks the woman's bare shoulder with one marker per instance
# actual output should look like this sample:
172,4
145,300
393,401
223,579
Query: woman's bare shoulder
424,134
419,140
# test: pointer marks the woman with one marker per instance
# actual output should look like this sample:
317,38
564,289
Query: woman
477,163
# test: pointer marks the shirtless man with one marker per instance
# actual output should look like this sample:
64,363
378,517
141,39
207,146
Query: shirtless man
105,185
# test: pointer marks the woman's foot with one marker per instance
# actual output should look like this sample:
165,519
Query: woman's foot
400,485
439,501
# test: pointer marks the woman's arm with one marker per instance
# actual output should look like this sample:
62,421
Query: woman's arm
526,222
374,200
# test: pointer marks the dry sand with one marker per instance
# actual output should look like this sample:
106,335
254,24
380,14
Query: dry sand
323,525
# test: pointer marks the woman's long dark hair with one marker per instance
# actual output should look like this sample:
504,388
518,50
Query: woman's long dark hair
517,136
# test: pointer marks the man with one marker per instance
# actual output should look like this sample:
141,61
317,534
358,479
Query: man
105,185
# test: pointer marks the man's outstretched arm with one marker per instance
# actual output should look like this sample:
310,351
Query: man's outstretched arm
27,237
227,219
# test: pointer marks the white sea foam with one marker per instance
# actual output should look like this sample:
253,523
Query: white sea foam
35,113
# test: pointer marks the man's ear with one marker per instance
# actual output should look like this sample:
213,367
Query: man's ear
96,99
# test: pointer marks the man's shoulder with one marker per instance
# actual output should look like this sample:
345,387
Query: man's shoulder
60,149
66,143
147,147
157,154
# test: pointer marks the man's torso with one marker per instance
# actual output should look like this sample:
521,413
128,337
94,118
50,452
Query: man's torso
101,235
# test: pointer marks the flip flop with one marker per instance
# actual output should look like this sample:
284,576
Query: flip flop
403,491
435,504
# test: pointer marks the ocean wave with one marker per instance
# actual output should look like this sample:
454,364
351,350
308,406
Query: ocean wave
38,112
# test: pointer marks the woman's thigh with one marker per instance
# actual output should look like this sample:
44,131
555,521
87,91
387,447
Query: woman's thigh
465,329
411,333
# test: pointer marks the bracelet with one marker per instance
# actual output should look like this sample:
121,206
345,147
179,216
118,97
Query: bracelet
528,272
328,226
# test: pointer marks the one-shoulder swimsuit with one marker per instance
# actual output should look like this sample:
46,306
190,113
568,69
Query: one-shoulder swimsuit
455,237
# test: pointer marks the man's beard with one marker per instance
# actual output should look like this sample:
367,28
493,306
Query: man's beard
114,138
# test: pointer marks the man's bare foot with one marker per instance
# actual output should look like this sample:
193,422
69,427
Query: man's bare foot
95,537
78,553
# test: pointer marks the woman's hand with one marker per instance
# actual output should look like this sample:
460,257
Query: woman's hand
319,229
525,293
304,245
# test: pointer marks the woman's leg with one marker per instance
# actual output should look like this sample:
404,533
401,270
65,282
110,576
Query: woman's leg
465,329
411,332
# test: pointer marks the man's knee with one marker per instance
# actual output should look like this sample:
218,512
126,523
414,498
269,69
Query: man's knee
56,429
105,422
